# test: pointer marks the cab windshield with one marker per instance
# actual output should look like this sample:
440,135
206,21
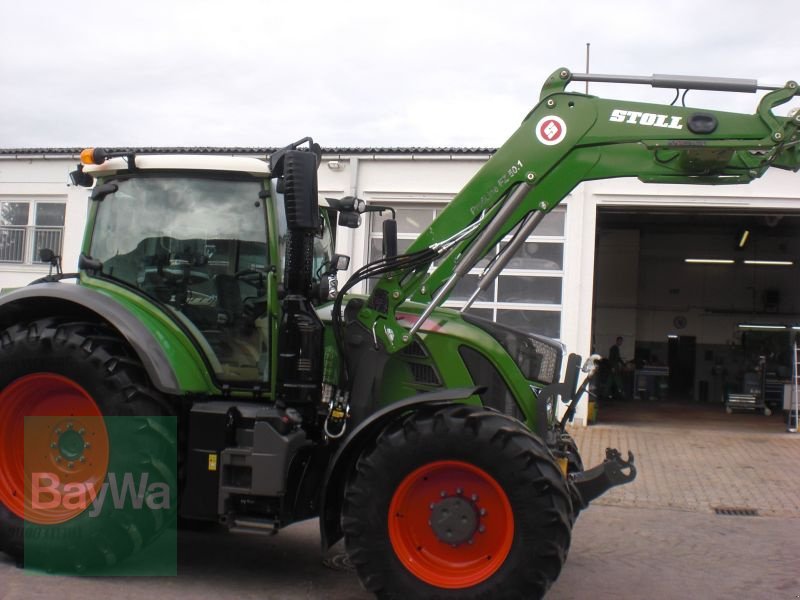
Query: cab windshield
199,246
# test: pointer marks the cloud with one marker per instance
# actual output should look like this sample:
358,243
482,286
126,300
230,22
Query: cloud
349,73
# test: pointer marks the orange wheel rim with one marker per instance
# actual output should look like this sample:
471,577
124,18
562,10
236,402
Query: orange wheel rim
451,524
54,465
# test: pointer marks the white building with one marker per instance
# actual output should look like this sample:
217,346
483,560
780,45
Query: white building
611,260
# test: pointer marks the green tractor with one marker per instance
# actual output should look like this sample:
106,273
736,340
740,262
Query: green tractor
428,438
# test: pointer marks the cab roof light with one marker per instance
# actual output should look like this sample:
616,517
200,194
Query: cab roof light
93,156
97,156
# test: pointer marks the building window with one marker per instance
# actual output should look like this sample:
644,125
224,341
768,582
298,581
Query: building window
28,226
528,293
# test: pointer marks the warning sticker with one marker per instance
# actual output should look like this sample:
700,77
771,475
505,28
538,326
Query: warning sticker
551,130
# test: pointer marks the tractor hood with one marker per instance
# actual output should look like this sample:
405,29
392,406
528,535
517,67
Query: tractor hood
538,357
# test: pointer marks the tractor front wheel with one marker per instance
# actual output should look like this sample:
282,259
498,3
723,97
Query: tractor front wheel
458,502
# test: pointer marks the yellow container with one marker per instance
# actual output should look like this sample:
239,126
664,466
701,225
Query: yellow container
592,412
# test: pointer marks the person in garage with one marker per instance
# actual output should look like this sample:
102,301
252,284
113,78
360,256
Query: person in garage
614,384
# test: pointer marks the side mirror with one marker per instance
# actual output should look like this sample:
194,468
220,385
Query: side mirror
350,219
340,262
47,256
328,285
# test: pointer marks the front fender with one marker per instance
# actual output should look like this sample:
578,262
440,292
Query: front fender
367,431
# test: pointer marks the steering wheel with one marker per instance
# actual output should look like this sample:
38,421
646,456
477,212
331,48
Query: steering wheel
251,305
252,277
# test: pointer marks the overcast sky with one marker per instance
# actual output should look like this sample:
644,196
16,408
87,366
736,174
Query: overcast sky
353,73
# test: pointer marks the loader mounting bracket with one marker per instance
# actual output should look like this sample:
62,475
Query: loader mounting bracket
596,481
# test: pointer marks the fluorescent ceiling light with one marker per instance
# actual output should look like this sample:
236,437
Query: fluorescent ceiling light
710,261
781,263
743,239
672,336
796,327
757,326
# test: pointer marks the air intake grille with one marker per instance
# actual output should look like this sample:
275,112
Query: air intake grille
735,512
414,349
424,374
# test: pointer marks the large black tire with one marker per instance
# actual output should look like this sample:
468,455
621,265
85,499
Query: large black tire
386,506
95,358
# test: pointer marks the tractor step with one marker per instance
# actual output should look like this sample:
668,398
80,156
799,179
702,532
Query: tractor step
253,526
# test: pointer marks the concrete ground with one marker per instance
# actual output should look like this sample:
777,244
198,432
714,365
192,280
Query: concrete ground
676,531
695,457
658,537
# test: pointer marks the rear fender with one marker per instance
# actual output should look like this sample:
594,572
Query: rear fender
59,299
366,432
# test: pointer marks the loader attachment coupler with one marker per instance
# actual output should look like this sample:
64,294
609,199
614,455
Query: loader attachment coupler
596,481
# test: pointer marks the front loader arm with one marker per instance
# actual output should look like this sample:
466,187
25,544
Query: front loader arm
569,138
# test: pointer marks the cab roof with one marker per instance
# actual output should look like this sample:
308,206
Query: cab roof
189,162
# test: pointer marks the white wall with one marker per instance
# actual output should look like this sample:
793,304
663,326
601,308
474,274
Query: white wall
43,178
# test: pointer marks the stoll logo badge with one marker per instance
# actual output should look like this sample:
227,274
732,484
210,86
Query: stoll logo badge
550,130
48,493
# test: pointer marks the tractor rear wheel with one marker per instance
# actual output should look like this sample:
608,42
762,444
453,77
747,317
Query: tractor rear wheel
72,375
458,502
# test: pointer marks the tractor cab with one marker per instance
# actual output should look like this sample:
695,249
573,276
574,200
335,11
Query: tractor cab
203,237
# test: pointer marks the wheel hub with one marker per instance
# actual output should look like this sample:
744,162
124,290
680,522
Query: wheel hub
69,445
454,520
451,524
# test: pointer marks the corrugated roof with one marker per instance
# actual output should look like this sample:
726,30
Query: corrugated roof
251,150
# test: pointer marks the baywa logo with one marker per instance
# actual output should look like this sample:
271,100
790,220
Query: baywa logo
100,495
48,493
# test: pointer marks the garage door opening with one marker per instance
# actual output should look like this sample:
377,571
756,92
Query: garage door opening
707,306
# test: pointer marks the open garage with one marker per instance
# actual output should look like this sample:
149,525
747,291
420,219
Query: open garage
706,303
